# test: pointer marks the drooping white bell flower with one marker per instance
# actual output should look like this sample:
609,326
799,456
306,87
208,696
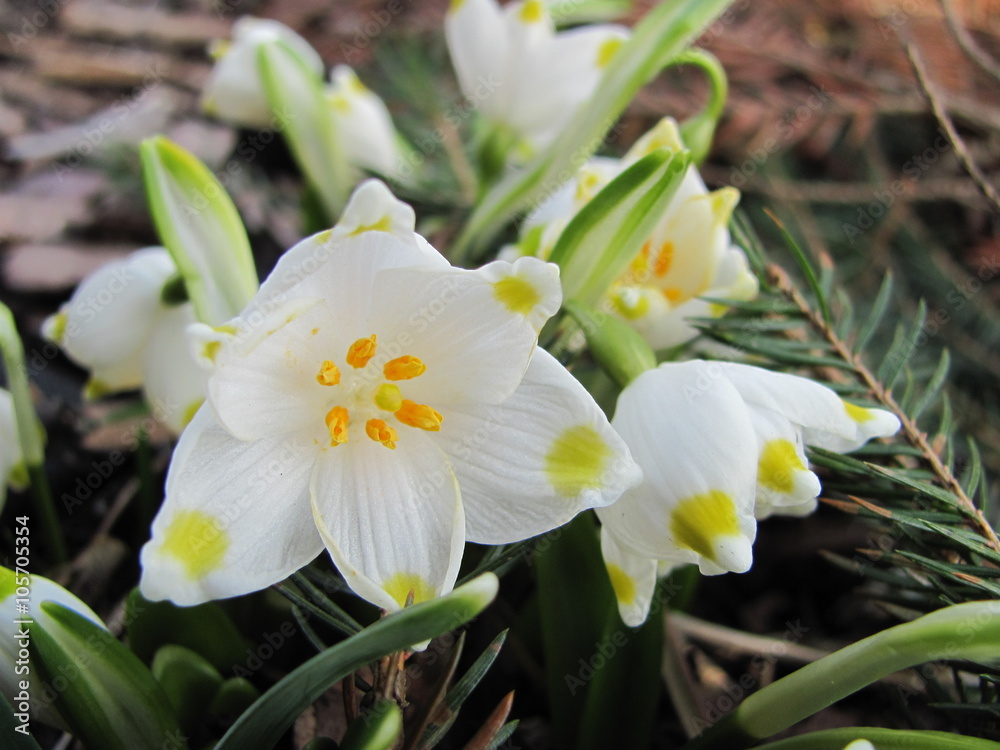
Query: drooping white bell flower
234,91
376,401
118,326
688,257
720,445
12,469
519,72
21,596
364,125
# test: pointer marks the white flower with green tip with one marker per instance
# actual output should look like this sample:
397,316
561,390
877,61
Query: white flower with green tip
364,125
688,257
118,326
720,445
375,401
234,92
12,469
35,589
519,72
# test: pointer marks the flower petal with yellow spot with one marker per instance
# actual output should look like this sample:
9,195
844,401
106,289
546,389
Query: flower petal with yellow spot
633,578
342,404
364,125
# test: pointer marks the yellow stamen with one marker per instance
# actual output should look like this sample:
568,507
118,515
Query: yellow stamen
664,259
380,432
403,368
361,352
388,397
421,416
336,422
329,374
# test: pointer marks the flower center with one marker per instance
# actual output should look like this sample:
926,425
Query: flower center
361,397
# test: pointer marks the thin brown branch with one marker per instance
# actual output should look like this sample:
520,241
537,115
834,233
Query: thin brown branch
989,192
969,45
882,395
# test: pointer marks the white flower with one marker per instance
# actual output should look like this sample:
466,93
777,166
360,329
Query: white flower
719,444
364,126
31,590
234,91
689,255
117,325
519,72
376,401
12,468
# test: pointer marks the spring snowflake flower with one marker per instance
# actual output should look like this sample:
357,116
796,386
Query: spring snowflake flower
688,257
118,326
13,651
376,401
234,91
364,126
720,446
13,472
519,72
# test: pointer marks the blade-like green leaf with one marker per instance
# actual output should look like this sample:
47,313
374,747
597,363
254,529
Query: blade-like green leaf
262,725
202,229
963,631
299,105
883,739
112,701
609,231
376,729
617,347
875,315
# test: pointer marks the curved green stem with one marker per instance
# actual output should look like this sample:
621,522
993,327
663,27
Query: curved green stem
698,130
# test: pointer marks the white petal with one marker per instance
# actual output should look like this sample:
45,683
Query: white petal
174,384
559,78
391,519
234,91
236,515
364,125
373,207
783,476
533,462
474,330
633,578
264,382
829,422
109,316
690,433
342,269
478,45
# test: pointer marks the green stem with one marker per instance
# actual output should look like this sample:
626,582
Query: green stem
47,510
699,130
963,631
883,739
30,434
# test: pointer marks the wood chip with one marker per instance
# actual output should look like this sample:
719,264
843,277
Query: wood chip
52,268
115,22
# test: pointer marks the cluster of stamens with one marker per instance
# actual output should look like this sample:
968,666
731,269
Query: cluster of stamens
386,397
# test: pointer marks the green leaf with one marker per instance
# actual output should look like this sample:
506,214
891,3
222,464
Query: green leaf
963,631
299,105
202,229
605,235
375,729
262,725
111,700
205,629
188,680
576,599
883,739
657,39
807,269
